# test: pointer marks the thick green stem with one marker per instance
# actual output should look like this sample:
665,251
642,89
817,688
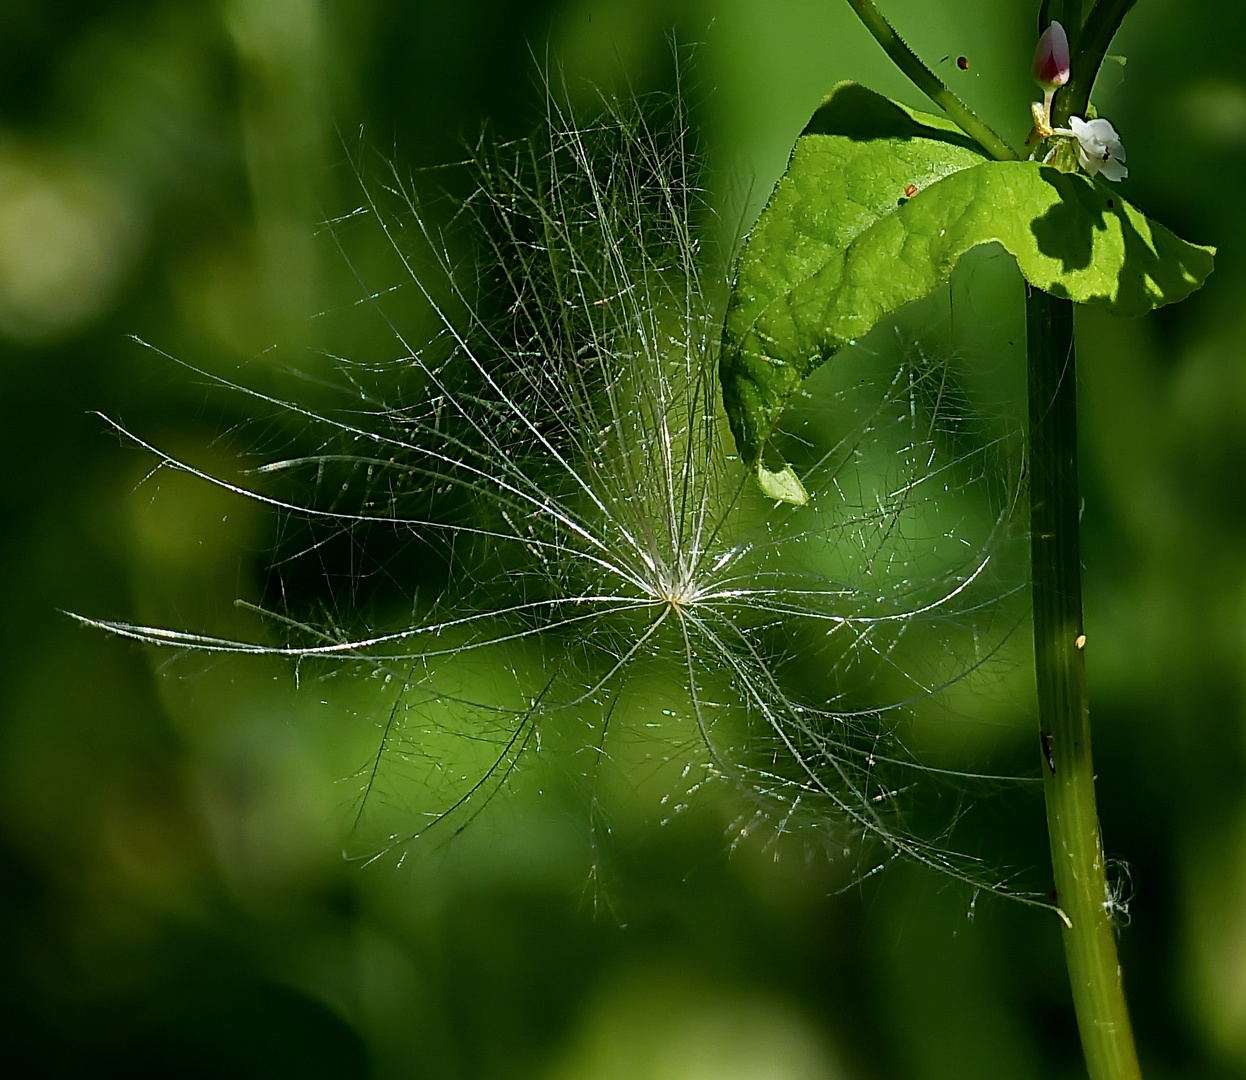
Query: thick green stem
1059,641
1068,13
1060,666
929,83
1089,48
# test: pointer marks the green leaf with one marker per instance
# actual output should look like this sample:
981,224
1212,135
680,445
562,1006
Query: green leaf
841,245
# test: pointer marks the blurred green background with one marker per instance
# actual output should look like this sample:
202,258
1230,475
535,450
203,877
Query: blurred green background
172,897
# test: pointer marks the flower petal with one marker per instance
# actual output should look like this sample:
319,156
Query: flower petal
1099,148
1113,170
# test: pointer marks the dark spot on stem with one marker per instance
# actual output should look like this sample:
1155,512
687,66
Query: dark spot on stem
1047,739
962,62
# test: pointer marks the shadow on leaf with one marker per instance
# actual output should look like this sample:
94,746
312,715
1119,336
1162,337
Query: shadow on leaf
1066,231
1158,269
1154,268
858,113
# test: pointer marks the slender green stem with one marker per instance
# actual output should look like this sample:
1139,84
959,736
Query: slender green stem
1060,666
929,83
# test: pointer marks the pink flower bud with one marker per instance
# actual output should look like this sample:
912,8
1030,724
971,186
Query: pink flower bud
1051,58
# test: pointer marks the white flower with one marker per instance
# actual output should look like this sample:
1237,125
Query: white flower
1099,148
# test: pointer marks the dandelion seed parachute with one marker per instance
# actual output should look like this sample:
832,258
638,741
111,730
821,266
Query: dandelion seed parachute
613,589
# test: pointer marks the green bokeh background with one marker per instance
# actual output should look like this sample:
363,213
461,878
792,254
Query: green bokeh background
172,898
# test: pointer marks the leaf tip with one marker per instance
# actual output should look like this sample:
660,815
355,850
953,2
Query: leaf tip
784,485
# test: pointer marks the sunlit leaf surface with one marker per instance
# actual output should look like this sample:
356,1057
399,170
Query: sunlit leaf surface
877,206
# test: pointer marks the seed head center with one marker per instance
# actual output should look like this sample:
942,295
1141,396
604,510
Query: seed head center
678,594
